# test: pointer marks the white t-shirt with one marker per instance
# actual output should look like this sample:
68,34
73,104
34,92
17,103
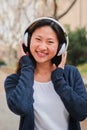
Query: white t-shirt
49,110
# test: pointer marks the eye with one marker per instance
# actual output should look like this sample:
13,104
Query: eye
38,39
50,42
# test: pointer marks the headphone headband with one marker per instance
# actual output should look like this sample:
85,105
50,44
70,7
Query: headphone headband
48,18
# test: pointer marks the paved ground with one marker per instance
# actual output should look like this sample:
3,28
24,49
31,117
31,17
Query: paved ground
9,120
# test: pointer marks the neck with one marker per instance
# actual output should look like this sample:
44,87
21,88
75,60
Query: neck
43,68
43,72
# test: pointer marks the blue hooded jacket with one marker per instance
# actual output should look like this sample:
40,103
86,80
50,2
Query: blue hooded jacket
68,85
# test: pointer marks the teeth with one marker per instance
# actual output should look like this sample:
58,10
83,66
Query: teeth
41,54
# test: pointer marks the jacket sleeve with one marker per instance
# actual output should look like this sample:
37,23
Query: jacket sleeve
19,89
74,97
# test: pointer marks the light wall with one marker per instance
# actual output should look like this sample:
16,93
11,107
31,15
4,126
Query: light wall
77,16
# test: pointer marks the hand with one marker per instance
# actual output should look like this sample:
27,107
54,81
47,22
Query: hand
20,51
63,61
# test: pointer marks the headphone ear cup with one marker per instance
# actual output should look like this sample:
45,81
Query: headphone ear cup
62,50
25,39
25,42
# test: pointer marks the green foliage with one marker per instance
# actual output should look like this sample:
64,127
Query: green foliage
77,51
2,63
83,69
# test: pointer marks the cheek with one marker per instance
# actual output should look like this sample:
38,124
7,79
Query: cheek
32,46
54,50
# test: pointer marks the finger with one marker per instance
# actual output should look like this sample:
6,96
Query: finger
64,57
65,54
63,60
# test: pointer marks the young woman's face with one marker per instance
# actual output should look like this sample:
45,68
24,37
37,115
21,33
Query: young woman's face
44,44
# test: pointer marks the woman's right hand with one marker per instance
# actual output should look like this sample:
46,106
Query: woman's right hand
20,51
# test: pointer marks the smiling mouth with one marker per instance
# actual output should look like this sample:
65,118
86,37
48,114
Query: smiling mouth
41,54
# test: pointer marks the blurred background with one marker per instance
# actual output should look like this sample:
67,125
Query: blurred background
15,17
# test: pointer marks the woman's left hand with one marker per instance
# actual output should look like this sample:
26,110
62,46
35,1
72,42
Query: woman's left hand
63,61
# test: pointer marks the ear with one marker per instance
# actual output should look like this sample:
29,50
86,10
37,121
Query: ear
62,50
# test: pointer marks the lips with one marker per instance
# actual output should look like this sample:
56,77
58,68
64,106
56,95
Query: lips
41,54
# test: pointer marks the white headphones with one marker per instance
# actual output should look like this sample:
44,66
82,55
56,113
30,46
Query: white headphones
64,46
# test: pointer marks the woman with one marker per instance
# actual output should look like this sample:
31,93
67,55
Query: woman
44,92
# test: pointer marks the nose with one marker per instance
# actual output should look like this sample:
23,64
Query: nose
42,46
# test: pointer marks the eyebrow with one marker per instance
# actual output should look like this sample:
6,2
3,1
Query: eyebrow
49,38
